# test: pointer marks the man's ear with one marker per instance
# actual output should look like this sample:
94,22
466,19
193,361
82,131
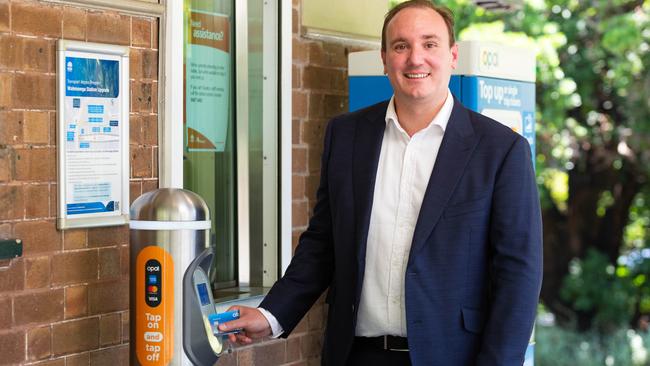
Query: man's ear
454,56
383,60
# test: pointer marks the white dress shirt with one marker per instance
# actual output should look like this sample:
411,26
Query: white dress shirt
405,165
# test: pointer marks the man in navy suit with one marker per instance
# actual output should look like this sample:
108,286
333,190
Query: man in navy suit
427,226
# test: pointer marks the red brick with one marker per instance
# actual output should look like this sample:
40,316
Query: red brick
27,54
6,312
109,263
9,58
135,130
311,345
272,353
154,167
4,16
296,77
149,185
74,23
300,51
149,64
6,230
38,236
141,97
109,28
108,236
75,239
6,164
74,267
54,362
313,132
313,158
141,32
135,63
36,127
11,127
295,21
39,307
141,162
293,349
12,277
106,297
135,190
316,317
37,201
335,55
34,91
150,130
39,344
82,359
35,164
36,19
154,34
12,202
321,78
299,160
299,104
12,346
110,356
299,213
37,272
76,301
334,105
315,106
110,329
75,336
154,97
125,258
7,82
229,359
295,131
125,327
297,187
53,129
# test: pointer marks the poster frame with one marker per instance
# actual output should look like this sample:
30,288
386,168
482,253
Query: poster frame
98,51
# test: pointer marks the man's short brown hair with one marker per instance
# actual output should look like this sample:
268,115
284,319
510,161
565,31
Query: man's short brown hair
444,12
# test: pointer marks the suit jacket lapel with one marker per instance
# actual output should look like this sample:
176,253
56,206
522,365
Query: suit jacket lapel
457,146
368,137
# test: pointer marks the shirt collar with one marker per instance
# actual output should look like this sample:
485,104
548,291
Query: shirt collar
441,119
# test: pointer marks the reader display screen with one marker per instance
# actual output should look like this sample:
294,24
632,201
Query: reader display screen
203,294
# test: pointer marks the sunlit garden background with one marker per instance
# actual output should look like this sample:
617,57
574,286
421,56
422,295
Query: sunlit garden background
593,165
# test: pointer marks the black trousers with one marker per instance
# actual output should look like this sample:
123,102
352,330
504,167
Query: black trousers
362,355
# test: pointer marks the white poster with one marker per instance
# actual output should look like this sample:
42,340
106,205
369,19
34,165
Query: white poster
93,110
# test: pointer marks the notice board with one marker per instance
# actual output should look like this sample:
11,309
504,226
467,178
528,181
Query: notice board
92,134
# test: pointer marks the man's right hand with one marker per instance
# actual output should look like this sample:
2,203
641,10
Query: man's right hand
254,325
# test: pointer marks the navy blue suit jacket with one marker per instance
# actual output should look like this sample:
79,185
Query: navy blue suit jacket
474,270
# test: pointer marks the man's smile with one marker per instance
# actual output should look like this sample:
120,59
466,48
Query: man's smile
420,75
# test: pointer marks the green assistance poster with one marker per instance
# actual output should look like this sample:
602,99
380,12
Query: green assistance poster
207,82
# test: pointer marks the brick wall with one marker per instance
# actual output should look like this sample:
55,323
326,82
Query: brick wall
65,302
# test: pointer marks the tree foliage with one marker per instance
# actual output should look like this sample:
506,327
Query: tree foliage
593,145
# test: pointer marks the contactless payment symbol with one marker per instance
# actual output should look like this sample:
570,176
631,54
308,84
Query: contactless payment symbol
152,286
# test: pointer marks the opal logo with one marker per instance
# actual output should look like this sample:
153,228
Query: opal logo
489,58
69,66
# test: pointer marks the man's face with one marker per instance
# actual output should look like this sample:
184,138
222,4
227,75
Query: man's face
418,59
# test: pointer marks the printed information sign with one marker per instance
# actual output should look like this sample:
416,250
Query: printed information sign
207,80
92,110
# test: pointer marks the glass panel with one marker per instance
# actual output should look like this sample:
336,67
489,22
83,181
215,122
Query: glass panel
209,165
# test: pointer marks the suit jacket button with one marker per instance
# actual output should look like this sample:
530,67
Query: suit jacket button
353,308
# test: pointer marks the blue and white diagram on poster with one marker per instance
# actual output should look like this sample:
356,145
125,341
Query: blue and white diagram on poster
93,138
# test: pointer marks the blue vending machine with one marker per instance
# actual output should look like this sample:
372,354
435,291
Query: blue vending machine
495,80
